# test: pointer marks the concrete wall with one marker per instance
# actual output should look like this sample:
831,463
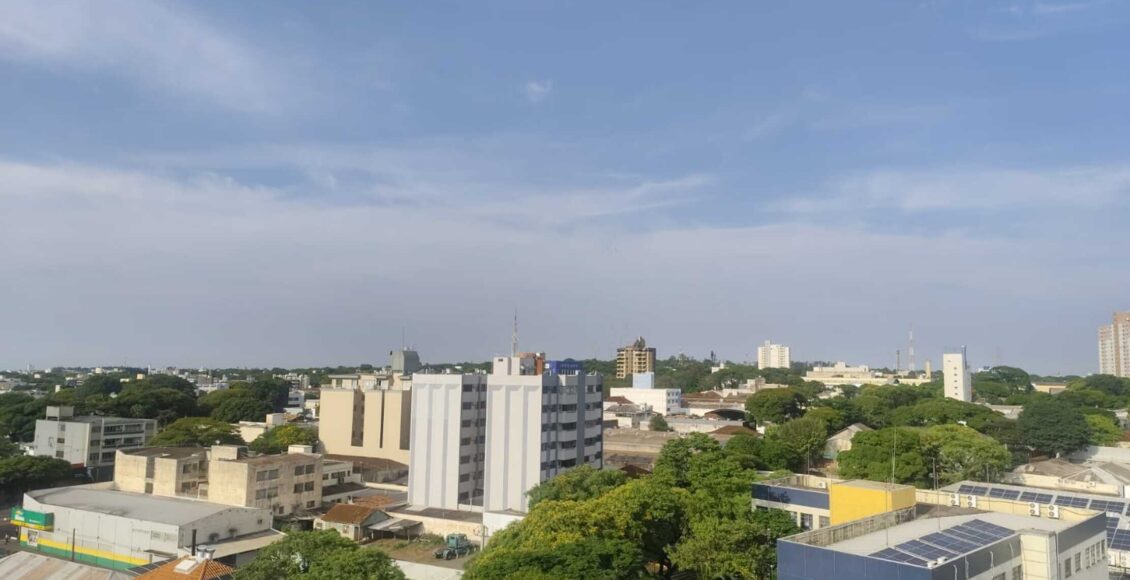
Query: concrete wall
1111,454
514,439
441,527
1052,482
447,440
236,483
75,446
366,423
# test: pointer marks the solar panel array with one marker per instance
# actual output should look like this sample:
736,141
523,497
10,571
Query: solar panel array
1117,539
948,543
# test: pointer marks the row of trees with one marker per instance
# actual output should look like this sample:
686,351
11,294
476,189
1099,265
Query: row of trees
691,515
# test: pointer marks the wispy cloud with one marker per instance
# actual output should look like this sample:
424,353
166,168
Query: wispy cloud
538,91
1049,8
156,44
977,189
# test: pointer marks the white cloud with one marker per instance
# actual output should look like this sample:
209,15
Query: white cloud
153,43
920,191
143,267
537,91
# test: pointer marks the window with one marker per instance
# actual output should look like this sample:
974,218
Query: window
298,488
310,504
308,486
1017,573
464,477
309,469
464,459
999,577
1067,568
824,521
61,440
806,521
1078,562
59,454
299,470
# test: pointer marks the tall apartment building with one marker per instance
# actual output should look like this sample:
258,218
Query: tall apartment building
955,371
773,356
1114,346
224,474
635,358
537,426
367,414
89,442
447,453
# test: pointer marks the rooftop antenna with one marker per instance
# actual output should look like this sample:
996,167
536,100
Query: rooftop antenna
912,364
514,338
898,361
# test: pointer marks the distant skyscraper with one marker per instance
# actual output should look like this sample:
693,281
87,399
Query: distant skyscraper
1114,346
635,358
773,356
958,382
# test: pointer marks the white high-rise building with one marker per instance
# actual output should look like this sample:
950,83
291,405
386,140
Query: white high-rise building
448,440
773,356
1114,346
537,426
958,382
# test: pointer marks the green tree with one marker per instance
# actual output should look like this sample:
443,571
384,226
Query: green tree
879,454
156,382
961,453
1052,427
370,564
597,558
21,473
100,385
142,401
312,555
273,390
579,483
774,406
658,423
243,408
1104,431
674,459
806,435
278,439
743,547
197,431
831,416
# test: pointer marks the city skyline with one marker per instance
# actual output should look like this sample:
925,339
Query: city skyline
270,184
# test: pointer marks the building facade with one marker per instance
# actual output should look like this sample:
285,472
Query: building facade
662,401
1114,346
635,358
366,416
284,484
537,426
773,356
89,442
121,530
955,372
448,441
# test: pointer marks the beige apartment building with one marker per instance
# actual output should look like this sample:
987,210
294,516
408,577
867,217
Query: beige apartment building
1114,346
224,474
367,415
635,358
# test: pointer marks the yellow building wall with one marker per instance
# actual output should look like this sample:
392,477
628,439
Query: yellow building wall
849,502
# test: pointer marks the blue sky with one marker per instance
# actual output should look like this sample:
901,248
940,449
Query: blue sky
278,183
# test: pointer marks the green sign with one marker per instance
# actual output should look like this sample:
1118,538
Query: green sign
34,520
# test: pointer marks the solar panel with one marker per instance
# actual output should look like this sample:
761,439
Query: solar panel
978,490
926,551
1069,501
991,529
1103,505
965,489
1004,493
953,543
1121,540
1036,497
897,556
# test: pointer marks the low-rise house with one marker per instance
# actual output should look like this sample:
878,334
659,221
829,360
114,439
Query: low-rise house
841,441
351,521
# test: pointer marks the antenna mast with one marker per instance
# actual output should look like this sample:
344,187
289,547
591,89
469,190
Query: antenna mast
910,352
514,337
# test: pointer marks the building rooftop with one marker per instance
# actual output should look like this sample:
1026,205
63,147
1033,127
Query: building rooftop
281,458
174,452
189,568
97,419
31,566
101,499
922,540
345,513
342,488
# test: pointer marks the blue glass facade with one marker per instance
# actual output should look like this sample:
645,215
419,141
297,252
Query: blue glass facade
564,367
791,495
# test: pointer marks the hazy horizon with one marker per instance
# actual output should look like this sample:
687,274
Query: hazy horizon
282,184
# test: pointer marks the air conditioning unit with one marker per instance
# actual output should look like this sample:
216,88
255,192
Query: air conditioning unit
1053,511
822,484
1033,509
971,501
955,499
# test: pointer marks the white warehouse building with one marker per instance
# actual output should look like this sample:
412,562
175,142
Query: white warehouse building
115,529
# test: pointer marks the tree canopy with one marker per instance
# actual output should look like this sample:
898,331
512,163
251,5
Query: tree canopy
197,431
319,555
580,483
1049,426
774,406
278,439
